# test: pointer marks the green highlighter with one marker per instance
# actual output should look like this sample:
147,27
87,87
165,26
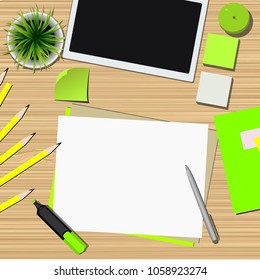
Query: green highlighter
60,228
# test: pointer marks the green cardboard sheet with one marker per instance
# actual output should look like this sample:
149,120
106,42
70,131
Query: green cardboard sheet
241,166
72,85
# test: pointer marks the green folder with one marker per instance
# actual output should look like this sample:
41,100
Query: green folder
242,167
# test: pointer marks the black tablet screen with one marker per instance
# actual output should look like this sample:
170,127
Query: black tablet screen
159,34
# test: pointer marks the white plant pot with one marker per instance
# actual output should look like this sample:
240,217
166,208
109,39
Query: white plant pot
52,57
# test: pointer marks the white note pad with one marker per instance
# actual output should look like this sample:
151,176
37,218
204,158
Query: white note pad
214,89
128,176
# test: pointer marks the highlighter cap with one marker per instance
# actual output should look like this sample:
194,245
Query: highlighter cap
75,242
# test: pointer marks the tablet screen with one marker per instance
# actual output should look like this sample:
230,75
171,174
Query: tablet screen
158,34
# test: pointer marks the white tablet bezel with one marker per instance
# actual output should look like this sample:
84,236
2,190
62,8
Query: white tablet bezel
189,77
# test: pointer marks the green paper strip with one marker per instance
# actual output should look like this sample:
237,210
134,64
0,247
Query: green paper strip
165,239
51,198
68,111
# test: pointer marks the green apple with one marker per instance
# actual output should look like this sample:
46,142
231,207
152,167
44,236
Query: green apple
234,18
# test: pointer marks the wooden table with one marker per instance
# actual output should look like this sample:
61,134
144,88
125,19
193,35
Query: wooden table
24,235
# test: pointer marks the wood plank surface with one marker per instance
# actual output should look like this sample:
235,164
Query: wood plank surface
24,235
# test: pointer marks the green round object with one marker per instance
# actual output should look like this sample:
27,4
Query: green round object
234,18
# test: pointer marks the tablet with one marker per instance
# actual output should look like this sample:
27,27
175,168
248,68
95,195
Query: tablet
159,38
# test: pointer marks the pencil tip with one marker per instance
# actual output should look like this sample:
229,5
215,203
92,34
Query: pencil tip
49,150
33,133
31,190
27,106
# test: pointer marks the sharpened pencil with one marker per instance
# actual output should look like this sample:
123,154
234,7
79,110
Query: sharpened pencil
14,149
2,76
13,122
29,163
12,201
4,92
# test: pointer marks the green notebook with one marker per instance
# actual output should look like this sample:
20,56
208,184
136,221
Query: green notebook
242,167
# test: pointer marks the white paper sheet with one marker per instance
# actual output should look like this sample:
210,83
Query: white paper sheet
128,176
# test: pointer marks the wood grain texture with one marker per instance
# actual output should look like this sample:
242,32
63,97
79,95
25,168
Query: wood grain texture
24,235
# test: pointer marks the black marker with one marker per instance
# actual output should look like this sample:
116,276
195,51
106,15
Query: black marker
60,227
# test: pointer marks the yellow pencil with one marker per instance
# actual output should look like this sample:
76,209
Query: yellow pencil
2,76
27,164
18,146
13,122
4,92
12,201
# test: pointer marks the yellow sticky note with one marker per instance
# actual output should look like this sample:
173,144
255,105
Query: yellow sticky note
257,142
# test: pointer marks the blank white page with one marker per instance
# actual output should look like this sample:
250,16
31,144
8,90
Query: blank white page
128,176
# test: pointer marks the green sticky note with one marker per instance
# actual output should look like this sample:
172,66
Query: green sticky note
221,51
72,85
241,166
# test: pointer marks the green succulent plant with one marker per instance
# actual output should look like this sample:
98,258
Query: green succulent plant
33,38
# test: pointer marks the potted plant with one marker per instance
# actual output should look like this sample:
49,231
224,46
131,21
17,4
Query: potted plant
35,39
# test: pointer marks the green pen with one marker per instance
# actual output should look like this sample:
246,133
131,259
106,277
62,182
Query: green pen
60,227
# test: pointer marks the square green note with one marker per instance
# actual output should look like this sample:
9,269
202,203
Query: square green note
221,51
72,85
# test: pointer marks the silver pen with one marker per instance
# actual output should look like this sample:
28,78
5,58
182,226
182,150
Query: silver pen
206,217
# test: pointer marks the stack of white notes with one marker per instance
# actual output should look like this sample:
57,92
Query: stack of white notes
128,176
